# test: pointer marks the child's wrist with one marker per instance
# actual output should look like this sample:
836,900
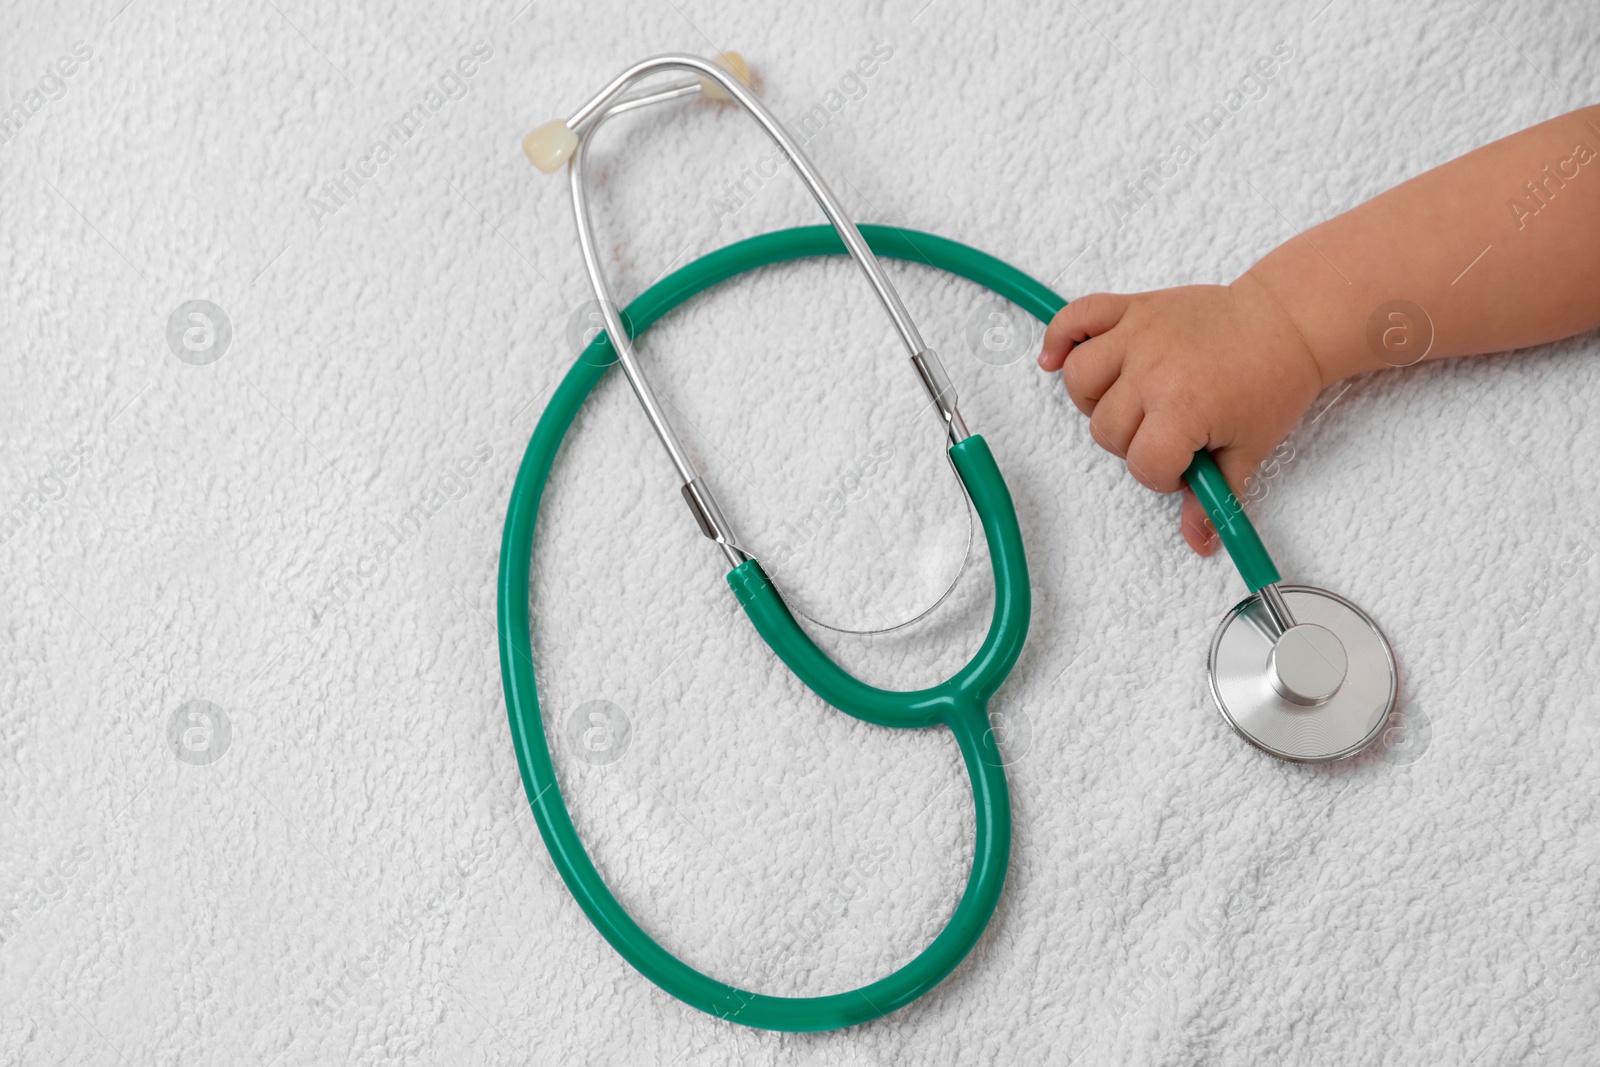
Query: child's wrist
1321,316
1262,294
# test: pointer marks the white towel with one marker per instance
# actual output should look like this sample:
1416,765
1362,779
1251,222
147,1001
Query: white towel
289,509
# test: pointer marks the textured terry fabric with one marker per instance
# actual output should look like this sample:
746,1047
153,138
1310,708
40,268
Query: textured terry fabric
305,533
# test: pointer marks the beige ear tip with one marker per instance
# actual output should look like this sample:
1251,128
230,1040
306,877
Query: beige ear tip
550,146
734,64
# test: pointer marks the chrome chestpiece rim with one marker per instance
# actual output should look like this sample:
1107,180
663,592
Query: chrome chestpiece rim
1299,672
1320,692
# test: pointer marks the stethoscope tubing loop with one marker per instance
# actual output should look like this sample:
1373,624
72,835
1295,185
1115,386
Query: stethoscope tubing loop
958,703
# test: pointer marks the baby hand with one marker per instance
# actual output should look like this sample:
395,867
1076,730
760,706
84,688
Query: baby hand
1165,373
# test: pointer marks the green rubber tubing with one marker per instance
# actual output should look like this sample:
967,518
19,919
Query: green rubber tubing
960,703
1227,515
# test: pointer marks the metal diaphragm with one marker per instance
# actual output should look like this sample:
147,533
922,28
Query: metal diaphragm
1282,693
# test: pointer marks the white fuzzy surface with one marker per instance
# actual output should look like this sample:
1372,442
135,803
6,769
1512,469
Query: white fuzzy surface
357,879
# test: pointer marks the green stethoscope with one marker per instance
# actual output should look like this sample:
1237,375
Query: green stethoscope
1300,670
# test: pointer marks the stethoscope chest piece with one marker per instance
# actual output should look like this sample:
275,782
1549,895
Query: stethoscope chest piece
1318,691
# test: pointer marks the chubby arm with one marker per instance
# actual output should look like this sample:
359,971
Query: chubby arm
1495,250
1500,247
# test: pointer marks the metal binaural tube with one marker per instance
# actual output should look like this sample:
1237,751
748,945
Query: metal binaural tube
702,503
818,188
607,102
621,344
612,100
